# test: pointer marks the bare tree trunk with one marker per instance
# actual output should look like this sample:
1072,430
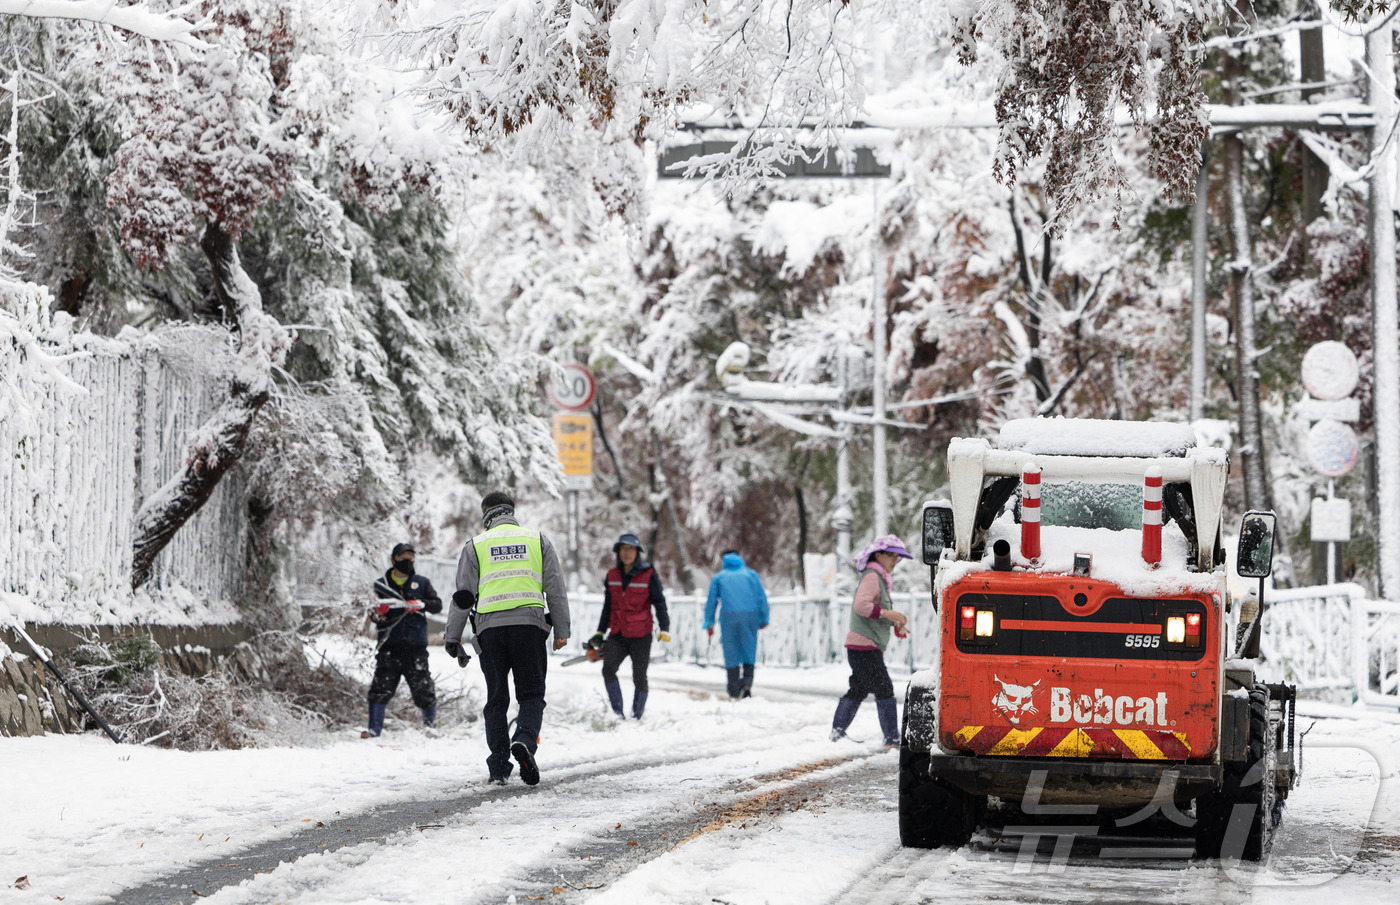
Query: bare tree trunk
220,440
619,492
1242,298
1035,303
1246,346
668,509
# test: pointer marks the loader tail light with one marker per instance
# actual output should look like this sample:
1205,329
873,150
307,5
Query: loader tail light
1193,629
976,626
1184,630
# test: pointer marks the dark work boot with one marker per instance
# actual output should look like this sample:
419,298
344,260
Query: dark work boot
733,681
429,717
639,704
376,721
746,681
615,697
889,721
529,770
845,713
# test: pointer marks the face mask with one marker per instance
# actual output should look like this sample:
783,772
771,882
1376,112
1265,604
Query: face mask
404,567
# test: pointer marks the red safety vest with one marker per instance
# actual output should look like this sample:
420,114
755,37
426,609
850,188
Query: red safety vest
630,612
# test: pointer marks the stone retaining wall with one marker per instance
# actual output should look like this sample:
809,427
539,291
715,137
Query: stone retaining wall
33,701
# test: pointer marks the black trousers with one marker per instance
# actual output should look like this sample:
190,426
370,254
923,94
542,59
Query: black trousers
617,648
521,651
412,664
868,675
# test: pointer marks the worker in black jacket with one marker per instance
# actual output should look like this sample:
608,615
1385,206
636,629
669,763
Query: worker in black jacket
403,597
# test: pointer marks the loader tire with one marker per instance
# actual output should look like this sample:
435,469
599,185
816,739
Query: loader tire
1238,820
931,813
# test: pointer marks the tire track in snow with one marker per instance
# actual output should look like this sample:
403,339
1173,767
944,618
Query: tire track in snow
992,869
209,875
573,875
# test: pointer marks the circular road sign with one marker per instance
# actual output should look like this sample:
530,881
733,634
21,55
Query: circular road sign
1330,370
574,391
1332,448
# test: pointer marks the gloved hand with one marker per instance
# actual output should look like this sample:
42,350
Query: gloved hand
413,606
664,638
710,631
382,609
455,649
596,640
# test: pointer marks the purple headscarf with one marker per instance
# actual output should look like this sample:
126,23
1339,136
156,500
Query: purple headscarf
889,543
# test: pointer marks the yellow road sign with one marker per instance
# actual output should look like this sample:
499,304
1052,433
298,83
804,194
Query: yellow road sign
573,440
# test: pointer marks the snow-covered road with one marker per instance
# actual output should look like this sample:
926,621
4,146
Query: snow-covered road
705,802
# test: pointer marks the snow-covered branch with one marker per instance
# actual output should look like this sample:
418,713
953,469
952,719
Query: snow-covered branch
137,18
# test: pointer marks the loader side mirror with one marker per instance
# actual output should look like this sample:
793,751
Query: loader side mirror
938,530
1255,557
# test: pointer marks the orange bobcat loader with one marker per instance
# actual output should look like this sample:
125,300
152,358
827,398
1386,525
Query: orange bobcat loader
1090,653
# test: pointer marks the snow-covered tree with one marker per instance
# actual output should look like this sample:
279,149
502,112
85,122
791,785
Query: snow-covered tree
267,177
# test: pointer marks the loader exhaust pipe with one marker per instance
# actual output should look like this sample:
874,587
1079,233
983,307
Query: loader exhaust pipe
1001,556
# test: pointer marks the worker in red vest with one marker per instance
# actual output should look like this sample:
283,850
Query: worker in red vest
630,592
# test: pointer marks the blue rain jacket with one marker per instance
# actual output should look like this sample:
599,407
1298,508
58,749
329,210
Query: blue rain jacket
738,594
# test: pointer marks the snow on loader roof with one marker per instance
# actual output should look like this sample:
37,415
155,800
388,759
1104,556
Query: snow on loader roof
1096,437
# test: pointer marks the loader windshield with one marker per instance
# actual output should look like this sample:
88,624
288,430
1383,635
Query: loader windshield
1084,504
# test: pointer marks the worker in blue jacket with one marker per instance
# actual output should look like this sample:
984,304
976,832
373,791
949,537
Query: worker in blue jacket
737,592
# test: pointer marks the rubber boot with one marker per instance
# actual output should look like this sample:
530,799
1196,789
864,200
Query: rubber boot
615,697
889,721
376,721
430,717
746,681
639,704
733,681
845,713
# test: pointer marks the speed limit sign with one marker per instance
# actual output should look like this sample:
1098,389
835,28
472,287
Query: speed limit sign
574,391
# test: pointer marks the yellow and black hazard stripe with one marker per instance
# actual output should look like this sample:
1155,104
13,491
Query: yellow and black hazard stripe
1130,744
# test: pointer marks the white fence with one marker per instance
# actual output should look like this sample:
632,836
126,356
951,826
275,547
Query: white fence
800,632
1334,637
79,460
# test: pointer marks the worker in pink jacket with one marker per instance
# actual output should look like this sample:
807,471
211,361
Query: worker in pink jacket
871,620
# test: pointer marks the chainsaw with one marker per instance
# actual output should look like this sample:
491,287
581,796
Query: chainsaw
592,652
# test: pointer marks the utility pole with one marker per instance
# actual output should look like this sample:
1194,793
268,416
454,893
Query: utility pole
1385,318
1200,250
880,477
1312,67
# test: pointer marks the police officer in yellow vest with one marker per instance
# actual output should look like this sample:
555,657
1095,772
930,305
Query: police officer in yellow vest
511,590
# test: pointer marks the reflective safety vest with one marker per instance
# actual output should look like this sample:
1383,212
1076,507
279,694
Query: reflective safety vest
510,563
